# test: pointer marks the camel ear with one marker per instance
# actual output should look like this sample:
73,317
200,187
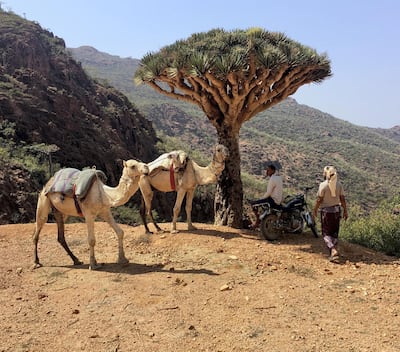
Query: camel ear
124,162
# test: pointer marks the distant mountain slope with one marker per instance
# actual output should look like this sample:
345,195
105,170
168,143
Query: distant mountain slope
46,97
392,133
302,139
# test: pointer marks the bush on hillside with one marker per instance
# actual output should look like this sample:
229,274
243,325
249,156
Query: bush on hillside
128,215
378,230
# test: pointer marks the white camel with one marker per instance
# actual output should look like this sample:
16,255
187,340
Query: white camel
175,160
184,183
97,202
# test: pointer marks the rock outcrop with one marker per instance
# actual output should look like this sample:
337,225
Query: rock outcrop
48,98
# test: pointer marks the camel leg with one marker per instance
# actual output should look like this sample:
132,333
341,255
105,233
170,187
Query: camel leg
61,236
177,209
143,215
188,208
91,241
158,228
42,213
107,216
147,199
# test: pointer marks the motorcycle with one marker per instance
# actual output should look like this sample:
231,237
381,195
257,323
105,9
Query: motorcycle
290,217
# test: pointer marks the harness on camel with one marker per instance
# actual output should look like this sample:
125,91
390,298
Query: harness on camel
174,162
75,184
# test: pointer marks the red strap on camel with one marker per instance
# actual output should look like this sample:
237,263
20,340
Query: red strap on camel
78,208
172,176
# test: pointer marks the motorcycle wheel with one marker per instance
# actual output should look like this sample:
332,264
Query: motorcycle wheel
314,230
311,223
268,230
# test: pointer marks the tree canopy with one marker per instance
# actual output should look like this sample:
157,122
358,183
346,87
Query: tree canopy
236,74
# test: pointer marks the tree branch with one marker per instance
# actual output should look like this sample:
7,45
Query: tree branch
213,90
174,95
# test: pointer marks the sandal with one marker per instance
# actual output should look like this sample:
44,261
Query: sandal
334,255
334,258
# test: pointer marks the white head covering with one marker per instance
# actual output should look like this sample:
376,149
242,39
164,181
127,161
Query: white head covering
331,175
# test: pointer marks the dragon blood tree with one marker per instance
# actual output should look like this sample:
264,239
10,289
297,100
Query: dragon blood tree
232,76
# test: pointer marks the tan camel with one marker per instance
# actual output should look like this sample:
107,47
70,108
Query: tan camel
185,183
97,202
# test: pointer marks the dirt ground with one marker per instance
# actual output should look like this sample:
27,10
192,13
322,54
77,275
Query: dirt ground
214,289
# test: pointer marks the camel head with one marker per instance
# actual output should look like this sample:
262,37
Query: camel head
183,158
220,153
134,168
179,159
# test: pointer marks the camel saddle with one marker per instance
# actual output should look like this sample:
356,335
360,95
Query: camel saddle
174,161
75,183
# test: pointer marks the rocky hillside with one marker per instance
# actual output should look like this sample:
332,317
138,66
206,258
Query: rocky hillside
47,98
392,133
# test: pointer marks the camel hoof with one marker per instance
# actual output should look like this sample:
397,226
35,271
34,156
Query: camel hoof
36,266
174,231
94,266
123,261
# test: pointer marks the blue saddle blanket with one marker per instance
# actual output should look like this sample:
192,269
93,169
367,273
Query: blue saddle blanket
75,183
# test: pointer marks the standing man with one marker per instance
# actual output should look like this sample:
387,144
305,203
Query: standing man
330,199
274,192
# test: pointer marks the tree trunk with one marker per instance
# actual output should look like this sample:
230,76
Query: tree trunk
228,205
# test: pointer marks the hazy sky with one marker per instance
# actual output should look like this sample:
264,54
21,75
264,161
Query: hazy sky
361,38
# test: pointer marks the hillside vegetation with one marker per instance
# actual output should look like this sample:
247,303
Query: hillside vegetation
299,138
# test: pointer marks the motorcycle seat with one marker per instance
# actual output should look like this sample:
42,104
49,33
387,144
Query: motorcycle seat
257,202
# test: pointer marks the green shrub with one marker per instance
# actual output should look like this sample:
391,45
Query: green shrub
128,215
253,188
378,230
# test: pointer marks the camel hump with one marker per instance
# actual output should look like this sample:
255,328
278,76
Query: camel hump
85,180
177,159
73,182
63,181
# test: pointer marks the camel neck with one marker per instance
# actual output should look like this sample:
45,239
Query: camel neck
125,189
208,174
217,166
